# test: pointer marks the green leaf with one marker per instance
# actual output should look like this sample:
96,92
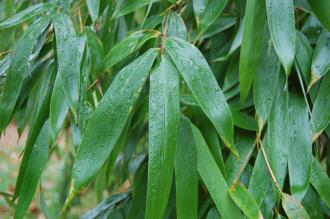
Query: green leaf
265,82
245,201
104,208
303,55
277,141
243,120
35,166
130,6
211,137
213,178
202,83
19,69
321,182
67,59
234,168
311,202
293,207
321,9
164,117
210,14
320,114
281,23
127,46
93,8
58,109
199,7
26,14
42,90
300,147
186,177
96,51
260,180
176,26
253,34
320,62
109,119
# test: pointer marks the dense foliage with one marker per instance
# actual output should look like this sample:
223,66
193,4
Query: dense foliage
175,109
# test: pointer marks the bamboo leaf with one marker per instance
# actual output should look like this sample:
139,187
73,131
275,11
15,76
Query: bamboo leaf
127,46
108,120
186,177
202,83
281,23
39,115
253,34
96,51
67,59
35,166
300,147
293,207
245,201
303,55
26,14
58,109
213,9
277,140
164,115
213,179
320,114
259,181
18,70
131,6
321,9
234,168
321,182
93,8
320,64
266,77
176,26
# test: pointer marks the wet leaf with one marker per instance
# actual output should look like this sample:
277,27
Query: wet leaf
204,87
281,22
164,116
109,118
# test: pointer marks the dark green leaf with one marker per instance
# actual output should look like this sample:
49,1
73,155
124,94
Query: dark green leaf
281,22
130,6
320,114
186,177
213,178
253,34
164,117
109,119
67,59
93,8
18,70
202,83
303,55
293,207
176,26
245,201
300,147
321,182
277,141
259,181
35,166
127,46
321,8
210,13
27,14
265,82
320,62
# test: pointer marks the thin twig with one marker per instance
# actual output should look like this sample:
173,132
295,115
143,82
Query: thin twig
269,167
